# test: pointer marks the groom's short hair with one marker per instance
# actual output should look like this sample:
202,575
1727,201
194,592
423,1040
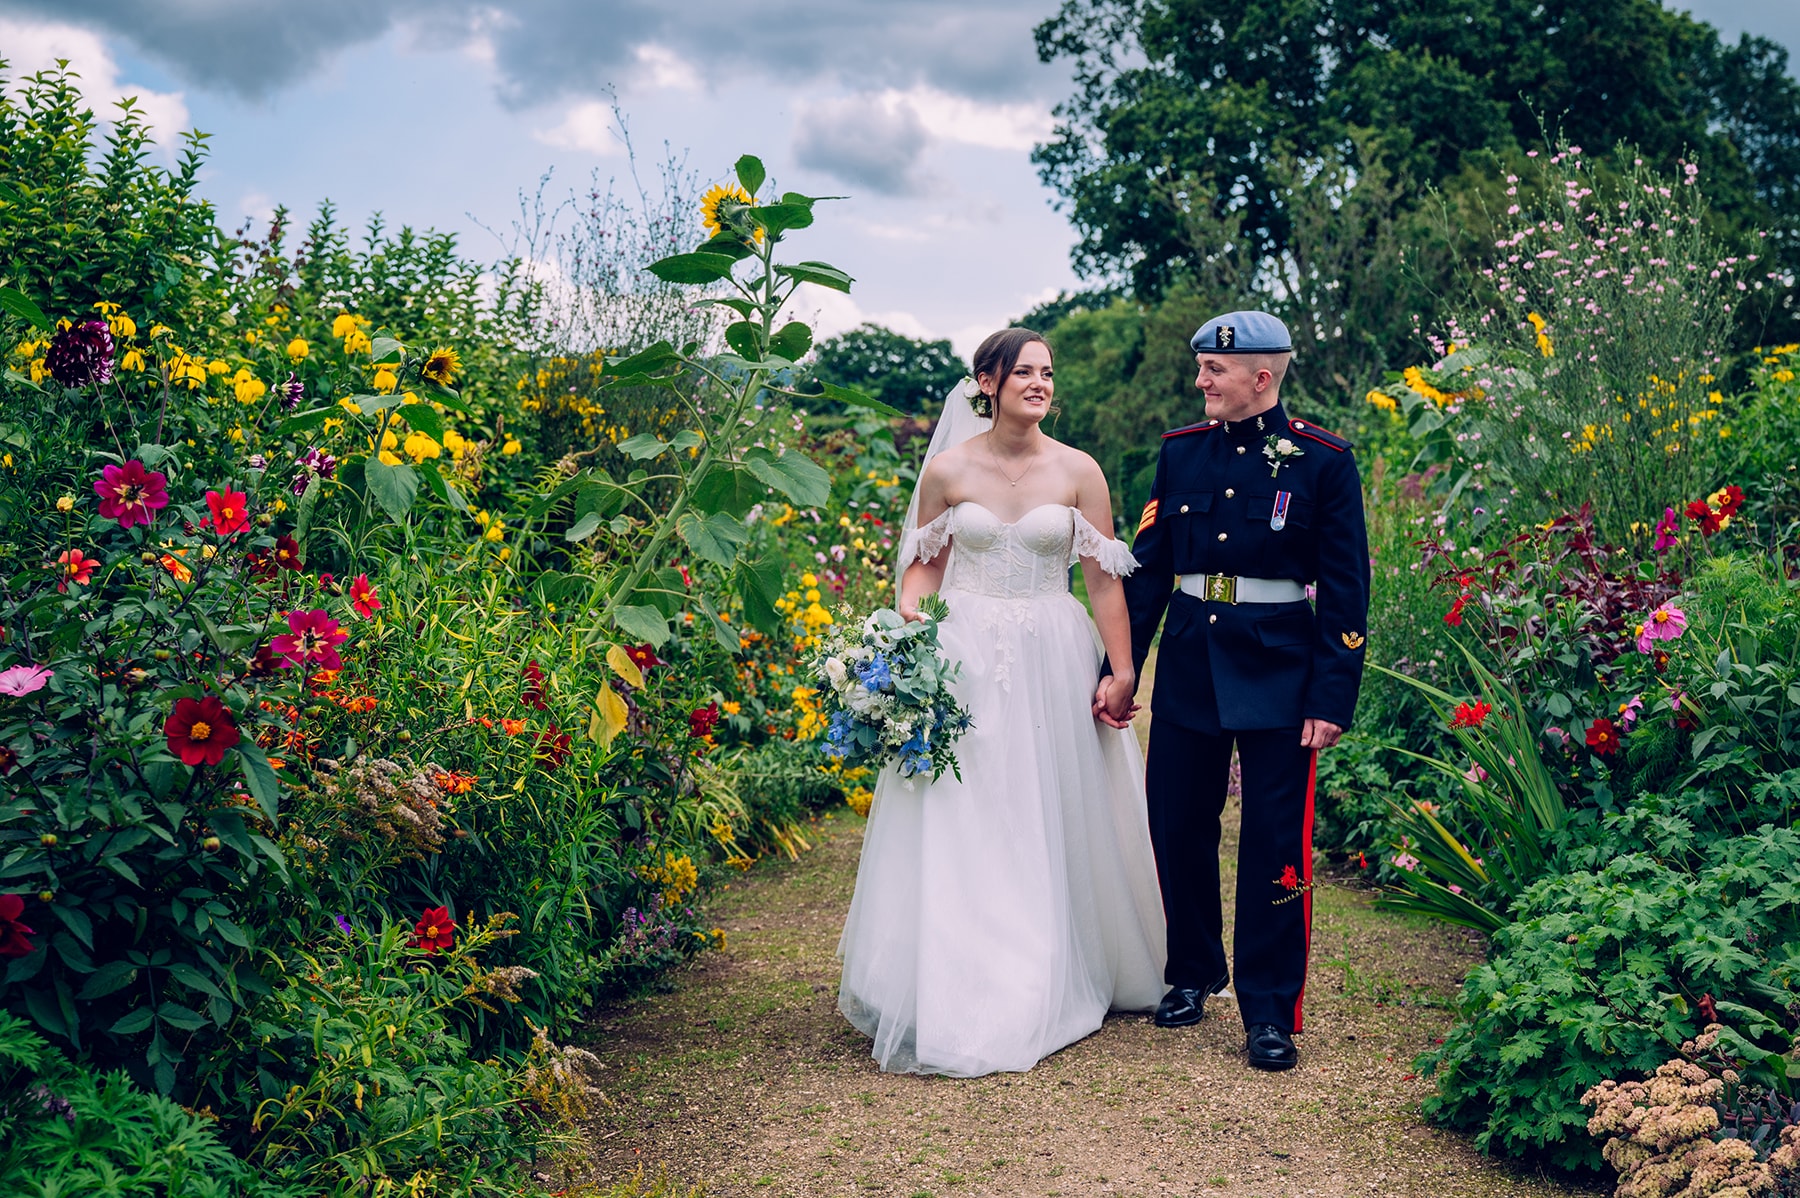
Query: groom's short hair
1275,364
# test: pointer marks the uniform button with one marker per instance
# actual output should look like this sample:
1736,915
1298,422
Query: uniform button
1184,508
1221,536
1228,493
1240,449
1212,619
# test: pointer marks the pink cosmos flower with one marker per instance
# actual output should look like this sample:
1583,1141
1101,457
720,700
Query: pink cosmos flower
313,636
18,681
1666,528
1406,861
131,494
1666,623
1630,710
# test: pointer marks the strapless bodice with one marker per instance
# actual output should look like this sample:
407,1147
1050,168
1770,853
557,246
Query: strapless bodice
1020,559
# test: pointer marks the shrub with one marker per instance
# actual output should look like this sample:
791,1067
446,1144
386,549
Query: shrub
1604,974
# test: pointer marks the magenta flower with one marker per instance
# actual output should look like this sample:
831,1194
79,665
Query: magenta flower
81,354
1666,528
1666,623
1406,861
312,636
19,681
131,494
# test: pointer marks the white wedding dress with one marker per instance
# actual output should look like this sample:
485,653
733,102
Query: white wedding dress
998,918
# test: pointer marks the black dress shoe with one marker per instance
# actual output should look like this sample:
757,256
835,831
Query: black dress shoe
1269,1047
1184,1006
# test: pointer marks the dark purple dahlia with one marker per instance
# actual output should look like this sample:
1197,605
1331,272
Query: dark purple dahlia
81,354
291,392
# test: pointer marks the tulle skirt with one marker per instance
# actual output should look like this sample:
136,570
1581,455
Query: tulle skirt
998,918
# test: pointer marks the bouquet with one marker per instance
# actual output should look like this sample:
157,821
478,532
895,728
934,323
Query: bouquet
886,693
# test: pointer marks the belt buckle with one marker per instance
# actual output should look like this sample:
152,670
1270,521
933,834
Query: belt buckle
1221,588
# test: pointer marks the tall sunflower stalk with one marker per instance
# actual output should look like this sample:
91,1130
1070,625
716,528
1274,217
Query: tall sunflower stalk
716,475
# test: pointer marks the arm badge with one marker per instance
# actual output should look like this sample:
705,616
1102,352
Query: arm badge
1149,516
1353,640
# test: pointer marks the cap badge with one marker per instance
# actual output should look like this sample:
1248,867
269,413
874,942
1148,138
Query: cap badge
1353,640
1226,336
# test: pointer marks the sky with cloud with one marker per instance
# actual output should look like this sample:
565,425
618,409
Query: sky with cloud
440,112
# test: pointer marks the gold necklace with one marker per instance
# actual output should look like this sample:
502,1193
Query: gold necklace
1002,469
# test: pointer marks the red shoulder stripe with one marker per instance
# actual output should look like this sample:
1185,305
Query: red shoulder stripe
1321,435
1202,427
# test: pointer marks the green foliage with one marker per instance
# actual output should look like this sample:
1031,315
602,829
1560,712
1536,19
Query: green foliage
67,1131
1434,97
903,372
1602,975
81,224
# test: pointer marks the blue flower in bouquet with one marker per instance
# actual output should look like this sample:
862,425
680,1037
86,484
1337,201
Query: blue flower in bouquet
837,733
876,674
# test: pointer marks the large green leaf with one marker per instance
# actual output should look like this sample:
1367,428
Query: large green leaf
723,633
856,399
793,474
699,267
643,446
758,586
385,351
583,528
440,486
21,305
730,490
777,219
259,776
424,418
792,340
642,624
745,336
750,173
301,421
715,537
822,273
393,487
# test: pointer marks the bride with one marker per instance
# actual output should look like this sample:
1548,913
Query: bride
999,917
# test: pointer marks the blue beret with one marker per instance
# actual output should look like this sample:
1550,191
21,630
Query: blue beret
1242,333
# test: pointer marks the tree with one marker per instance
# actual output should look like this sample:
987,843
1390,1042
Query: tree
1214,116
901,371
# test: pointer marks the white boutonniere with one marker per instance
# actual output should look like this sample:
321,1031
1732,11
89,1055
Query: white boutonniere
1278,450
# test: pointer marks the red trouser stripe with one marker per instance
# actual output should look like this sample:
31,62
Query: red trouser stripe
1306,874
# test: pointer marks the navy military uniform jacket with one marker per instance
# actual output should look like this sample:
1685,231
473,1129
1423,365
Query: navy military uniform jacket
1253,666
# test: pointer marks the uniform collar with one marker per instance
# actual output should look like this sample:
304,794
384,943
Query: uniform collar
1261,425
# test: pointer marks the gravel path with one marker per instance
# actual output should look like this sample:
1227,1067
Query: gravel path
744,1078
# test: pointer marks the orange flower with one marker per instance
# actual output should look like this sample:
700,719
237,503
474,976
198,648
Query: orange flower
74,568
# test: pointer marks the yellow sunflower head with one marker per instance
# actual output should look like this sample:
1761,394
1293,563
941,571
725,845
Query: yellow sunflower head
719,205
441,366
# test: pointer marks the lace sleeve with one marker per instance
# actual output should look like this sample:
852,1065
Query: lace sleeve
924,544
1109,553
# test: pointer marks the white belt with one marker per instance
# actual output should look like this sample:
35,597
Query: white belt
1225,588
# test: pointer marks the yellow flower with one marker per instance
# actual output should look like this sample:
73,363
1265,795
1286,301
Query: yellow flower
349,405
297,349
419,447
186,371
495,531
176,568
385,380
512,446
131,360
237,434
455,442
159,330
407,397
65,503
1383,400
441,366
731,707
809,579
332,424
720,204
358,343
247,387
344,325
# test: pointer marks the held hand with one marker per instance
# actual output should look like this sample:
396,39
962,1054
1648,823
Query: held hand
1112,701
910,612
1319,734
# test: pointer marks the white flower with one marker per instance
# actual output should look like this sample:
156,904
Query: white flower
1285,447
834,670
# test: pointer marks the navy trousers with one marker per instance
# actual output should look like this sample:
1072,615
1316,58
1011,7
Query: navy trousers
1187,776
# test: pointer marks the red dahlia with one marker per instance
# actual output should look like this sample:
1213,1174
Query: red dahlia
434,930
12,931
200,730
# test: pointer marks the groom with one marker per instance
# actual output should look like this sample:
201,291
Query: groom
1248,507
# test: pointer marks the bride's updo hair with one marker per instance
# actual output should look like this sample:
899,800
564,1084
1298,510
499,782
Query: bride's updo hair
996,357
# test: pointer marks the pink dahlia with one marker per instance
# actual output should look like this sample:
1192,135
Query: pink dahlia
312,636
131,494
1666,623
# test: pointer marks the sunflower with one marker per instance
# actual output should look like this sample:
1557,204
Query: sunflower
717,198
441,366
